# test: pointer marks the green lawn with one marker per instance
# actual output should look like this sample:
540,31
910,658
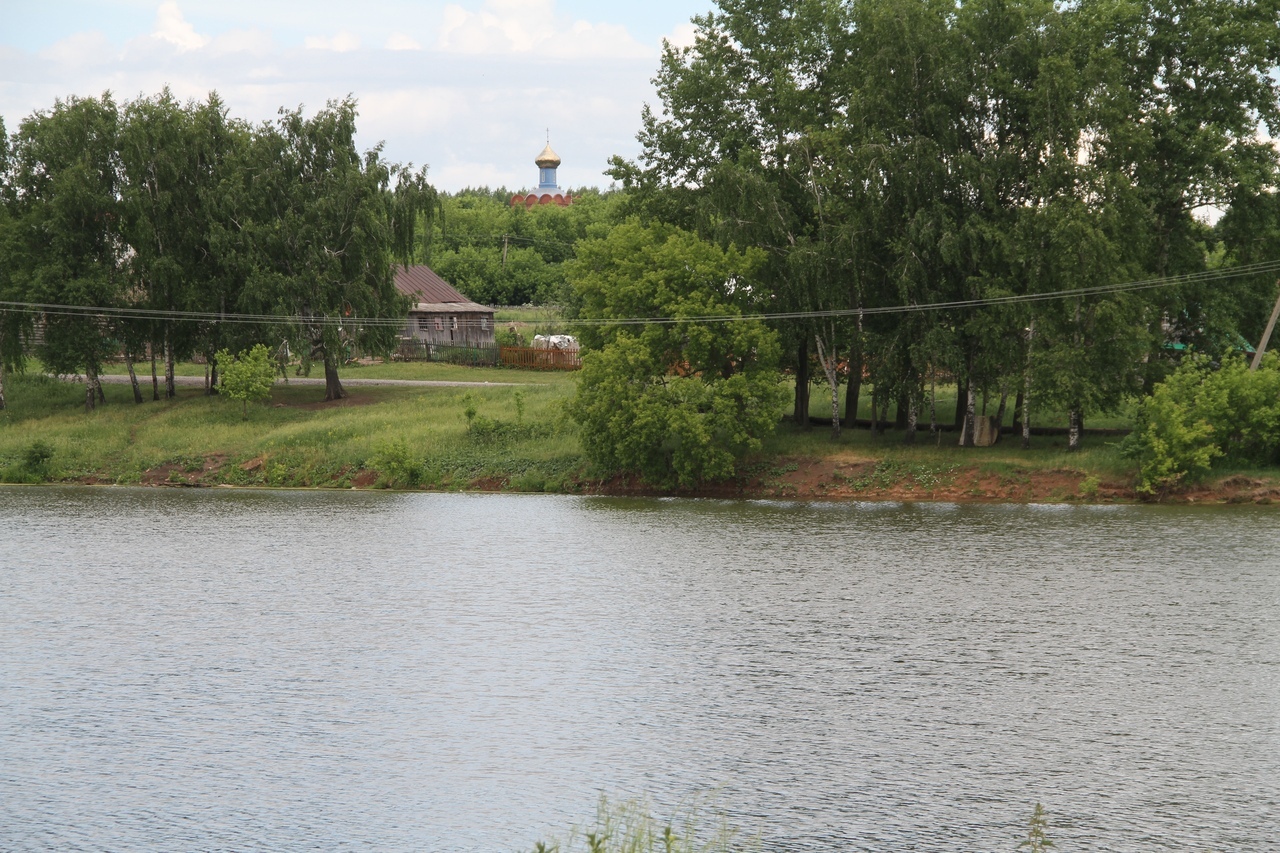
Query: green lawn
411,436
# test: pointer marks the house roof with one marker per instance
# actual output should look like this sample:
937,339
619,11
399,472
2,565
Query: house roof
421,284
449,308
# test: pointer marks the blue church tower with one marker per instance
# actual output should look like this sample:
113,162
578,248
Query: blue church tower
548,191
548,161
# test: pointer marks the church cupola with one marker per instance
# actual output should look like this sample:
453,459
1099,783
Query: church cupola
548,161
548,191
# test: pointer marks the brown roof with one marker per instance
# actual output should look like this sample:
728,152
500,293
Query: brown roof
421,284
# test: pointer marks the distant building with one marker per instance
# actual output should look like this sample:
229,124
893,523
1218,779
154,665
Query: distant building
439,314
548,190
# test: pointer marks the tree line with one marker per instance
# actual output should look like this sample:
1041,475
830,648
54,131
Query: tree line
502,255
916,153
132,228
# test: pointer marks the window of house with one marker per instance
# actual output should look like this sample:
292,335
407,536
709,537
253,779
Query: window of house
439,324
484,323
423,324
454,321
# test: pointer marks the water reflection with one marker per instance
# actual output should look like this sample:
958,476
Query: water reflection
286,669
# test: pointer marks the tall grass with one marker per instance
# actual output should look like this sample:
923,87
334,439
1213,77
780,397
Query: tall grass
629,826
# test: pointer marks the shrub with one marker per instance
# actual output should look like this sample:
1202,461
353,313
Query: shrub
247,377
399,466
33,465
1200,414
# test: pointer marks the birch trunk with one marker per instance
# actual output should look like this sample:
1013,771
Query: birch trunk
133,378
1024,396
2,404
1026,414
913,414
933,404
170,391
829,368
1075,428
91,388
966,434
155,382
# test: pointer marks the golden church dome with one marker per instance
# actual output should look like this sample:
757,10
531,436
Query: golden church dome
548,159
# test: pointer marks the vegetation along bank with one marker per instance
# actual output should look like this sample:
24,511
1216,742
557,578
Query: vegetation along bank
914,216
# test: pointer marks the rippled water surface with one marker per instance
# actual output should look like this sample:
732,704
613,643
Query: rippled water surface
258,670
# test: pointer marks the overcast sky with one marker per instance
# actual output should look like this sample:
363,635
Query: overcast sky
467,87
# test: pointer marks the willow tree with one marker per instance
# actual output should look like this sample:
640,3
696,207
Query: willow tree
314,226
66,181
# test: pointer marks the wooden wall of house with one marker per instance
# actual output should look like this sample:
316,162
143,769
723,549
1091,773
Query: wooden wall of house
458,329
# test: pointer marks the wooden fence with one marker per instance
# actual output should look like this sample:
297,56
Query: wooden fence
472,356
530,358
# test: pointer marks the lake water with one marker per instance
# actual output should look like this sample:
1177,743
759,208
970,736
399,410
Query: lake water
285,670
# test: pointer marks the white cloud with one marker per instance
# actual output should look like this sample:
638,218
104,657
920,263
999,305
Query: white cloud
532,27
173,28
683,35
476,116
400,41
80,50
254,41
343,42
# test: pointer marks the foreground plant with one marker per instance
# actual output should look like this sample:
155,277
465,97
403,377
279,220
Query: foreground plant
631,827
1037,841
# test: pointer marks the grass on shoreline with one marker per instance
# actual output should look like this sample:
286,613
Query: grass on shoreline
411,437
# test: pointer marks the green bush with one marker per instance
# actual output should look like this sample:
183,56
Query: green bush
33,465
399,466
1200,414
672,430
247,377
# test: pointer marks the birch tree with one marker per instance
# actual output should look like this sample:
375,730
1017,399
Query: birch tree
67,183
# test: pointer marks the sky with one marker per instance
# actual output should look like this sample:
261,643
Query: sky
469,88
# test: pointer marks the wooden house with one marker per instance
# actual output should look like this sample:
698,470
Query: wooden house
439,315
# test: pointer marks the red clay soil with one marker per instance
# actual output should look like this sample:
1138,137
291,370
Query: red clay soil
854,479
178,474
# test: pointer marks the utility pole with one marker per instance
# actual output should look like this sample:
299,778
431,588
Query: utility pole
1266,336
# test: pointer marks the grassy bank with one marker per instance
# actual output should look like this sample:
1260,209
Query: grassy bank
511,438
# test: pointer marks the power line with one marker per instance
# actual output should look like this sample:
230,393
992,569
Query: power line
122,312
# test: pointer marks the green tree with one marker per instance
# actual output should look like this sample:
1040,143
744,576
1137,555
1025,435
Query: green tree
15,323
315,226
734,154
503,255
1182,91
173,159
248,376
66,180
678,401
